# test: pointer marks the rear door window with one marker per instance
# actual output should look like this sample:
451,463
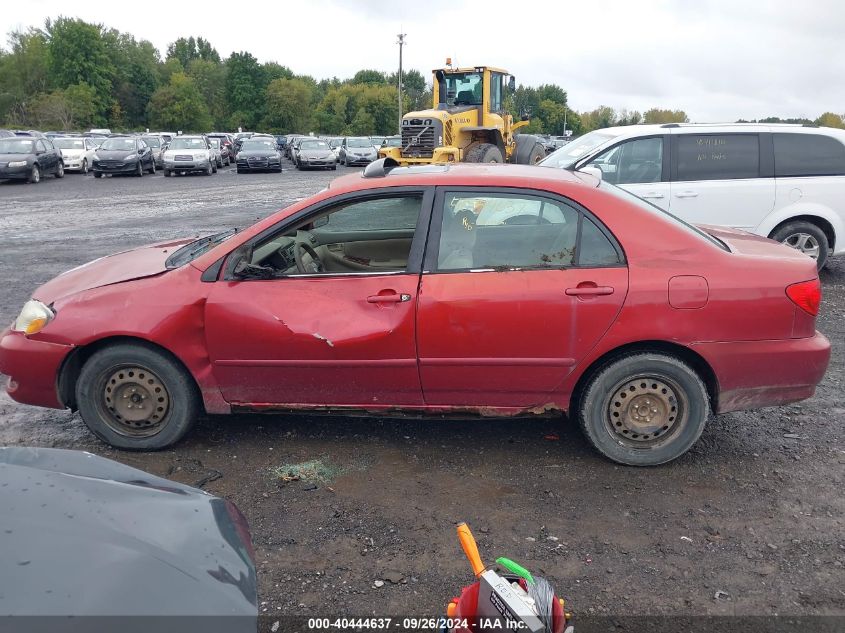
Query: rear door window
632,162
717,156
808,155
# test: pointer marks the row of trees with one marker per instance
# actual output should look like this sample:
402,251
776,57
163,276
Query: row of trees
73,75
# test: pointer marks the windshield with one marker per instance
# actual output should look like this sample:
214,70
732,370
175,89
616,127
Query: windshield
393,142
152,141
16,146
69,143
358,142
187,143
256,144
627,196
463,88
314,145
572,152
189,252
118,144
214,142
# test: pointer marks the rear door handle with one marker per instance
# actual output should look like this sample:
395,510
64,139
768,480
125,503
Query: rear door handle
687,194
653,195
589,291
391,298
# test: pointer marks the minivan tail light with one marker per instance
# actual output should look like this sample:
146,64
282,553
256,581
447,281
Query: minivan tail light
807,295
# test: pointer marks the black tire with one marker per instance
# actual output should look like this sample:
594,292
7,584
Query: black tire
152,169
60,170
240,171
34,175
484,153
98,174
140,171
672,394
84,169
529,151
209,170
214,168
180,396
795,234
167,173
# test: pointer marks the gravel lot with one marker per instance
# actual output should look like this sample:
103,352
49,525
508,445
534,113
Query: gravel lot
750,522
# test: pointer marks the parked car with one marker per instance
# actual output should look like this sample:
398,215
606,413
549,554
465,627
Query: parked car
123,155
386,141
291,145
29,158
77,152
357,150
396,291
6,133
87,531
189,154
281,141
216,156
240,137
785,182
259,154
226,140
156,144
315,153
100,131
221,152
334,143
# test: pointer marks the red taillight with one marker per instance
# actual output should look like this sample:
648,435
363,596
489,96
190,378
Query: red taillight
807,295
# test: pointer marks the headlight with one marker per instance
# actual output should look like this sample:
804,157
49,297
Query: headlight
129,157
33,318
17,163
95,157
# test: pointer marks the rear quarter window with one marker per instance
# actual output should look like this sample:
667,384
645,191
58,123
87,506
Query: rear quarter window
718,156
808,155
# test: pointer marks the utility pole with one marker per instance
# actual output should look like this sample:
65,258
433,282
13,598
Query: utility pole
401,43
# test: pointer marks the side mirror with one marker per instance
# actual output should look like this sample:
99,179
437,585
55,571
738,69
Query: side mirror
593,171
512,83
239,262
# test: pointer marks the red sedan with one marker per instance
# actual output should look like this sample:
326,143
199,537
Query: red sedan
493,290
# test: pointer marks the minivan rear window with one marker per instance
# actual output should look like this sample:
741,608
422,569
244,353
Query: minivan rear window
808,155
718,156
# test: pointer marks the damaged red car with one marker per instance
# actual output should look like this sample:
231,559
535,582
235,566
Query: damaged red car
492,290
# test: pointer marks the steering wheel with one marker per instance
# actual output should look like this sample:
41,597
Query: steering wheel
316,265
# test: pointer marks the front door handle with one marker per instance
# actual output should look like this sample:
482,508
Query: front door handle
687,194
589,291
389,298
653,195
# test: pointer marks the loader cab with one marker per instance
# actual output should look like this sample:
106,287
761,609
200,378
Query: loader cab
464,88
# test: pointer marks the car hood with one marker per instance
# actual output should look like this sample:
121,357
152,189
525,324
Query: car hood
316,153
263,153
114,154
5,158
186,152
73,152
137,263
87,536
361,150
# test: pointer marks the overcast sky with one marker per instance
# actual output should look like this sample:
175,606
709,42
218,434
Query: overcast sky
717,60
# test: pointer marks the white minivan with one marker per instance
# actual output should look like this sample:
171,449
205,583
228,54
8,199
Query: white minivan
785,182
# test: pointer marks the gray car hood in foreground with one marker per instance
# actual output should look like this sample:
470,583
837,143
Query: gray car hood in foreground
81,535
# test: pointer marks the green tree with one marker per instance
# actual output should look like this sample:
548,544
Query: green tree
289,106
358,109
245,87
829,119
415,92
274,70
369,77
78,53
179,106
601,117
189,49
71,108
23,74
136,76
656,115
629,118
210,79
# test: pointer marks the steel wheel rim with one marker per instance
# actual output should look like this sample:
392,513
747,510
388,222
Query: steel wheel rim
646,411
134,401
805,243
36,174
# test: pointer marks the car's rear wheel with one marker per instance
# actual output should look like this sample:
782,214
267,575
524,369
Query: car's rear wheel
807,238
136,398
34,175
643,409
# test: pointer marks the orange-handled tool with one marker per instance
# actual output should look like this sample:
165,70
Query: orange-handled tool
470,548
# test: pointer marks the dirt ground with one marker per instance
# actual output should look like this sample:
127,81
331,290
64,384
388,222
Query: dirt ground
750,522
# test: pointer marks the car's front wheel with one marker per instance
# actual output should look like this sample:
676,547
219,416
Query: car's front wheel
60,170
807,238
34,175
643,409
135,397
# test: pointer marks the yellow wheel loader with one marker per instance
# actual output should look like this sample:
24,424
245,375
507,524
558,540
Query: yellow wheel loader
467,123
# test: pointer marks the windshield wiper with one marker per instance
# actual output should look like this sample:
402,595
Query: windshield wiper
191,250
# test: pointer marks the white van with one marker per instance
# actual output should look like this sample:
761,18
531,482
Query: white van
785,182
